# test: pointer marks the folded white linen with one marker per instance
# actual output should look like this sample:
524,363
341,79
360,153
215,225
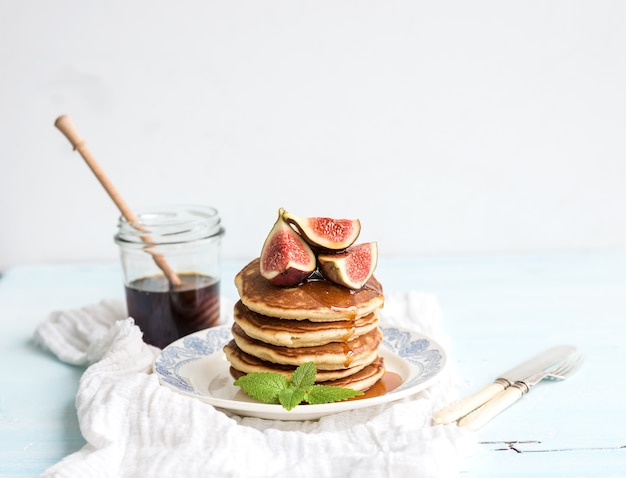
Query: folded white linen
136,428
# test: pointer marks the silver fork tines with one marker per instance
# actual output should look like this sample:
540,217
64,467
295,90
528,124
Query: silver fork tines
567,368
560,372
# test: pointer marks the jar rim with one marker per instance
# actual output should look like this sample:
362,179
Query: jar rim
171,224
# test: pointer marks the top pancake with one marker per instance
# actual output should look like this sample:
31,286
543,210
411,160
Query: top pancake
315,300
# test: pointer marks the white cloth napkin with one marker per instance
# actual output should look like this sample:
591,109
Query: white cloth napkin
136,428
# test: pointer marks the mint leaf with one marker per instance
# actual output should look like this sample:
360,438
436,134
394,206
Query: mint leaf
271,387
291,397
264,386
304,376
327,394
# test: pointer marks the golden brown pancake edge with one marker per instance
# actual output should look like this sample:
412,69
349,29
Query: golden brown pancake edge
246,363
332,356
301,333
315,300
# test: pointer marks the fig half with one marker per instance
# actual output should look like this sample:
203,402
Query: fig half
351,268
286,259
325,232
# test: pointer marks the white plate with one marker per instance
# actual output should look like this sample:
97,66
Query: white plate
195,365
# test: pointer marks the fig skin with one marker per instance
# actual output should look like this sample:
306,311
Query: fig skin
326,233
351,268
286,259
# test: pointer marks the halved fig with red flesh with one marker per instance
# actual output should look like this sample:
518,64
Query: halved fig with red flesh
325,232
351,268
286,259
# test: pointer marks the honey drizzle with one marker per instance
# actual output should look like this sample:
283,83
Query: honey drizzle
347,349
348,353
316,288
388,382
335,297
349,333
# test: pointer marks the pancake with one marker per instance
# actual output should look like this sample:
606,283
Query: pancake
301,333
246,363
332,356
361,380
313,300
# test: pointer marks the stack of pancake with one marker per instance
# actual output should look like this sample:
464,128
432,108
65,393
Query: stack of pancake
276,329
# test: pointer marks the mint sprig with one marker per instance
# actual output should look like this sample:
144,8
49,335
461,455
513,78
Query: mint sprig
271,387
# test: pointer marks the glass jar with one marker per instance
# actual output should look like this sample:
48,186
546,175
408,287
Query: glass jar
172,269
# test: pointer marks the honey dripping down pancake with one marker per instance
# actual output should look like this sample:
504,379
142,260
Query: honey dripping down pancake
301,333
314,299
331,356
246,363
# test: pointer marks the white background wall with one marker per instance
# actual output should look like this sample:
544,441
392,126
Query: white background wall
446,127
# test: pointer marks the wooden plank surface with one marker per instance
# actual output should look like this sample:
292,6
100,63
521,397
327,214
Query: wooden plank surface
498,310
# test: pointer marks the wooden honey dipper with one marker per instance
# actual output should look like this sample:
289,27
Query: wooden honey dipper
66,126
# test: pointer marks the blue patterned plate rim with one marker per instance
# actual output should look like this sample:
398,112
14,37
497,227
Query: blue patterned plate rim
418,359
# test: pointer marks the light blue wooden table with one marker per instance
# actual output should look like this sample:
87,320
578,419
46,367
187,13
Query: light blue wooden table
498,310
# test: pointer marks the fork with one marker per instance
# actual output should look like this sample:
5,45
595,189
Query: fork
510,395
